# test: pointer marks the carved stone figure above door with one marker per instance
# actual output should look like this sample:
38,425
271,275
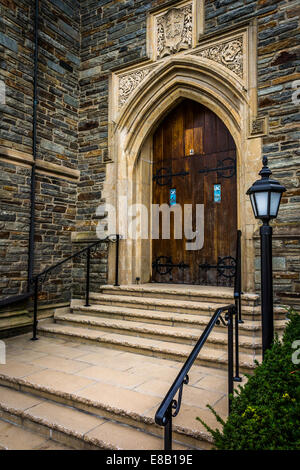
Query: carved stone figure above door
174,31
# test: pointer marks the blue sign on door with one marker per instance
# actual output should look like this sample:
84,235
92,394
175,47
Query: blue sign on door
217,193
172,197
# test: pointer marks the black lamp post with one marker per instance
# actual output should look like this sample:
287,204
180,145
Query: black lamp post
265,195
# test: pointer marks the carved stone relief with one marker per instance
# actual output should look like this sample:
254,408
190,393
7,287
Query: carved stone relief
174,31
229,54
129,82
258,126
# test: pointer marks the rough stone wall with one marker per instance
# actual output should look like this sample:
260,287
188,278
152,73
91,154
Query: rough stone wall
55,217
113,33
58,76
57,139
14,225
278,68
15,132
16,70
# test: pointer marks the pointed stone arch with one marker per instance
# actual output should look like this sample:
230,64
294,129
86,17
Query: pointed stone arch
133,122
185,77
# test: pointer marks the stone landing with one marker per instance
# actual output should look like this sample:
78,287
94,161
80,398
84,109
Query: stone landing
97,375
83,396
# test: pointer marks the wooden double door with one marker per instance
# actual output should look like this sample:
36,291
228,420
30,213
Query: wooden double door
194,162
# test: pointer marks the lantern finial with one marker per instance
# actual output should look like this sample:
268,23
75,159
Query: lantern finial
265,172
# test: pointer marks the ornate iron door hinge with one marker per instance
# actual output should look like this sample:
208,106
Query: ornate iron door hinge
164,176
223,166
225,267
164,265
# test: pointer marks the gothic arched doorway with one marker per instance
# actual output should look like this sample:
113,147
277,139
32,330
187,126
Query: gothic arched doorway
194,162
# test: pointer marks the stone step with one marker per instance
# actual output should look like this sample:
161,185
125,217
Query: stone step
176,306
247,328
209,356
215,294
173,334
66,425
5,313
13,321
112,385
14,437
18,321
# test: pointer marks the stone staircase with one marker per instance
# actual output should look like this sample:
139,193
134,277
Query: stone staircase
98,374
163,321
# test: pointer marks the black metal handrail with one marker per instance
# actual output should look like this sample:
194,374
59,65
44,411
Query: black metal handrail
238,304
41,277
170,407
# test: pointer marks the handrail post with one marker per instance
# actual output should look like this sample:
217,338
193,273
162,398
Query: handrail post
87,278
238,288
168,429
35,308
117,261
231,312
238,309
237,377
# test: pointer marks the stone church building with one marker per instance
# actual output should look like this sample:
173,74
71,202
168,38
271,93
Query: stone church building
109,107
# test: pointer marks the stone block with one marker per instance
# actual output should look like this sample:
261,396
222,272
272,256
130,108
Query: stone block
8,42
279,263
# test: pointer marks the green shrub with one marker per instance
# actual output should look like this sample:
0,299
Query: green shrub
266,411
